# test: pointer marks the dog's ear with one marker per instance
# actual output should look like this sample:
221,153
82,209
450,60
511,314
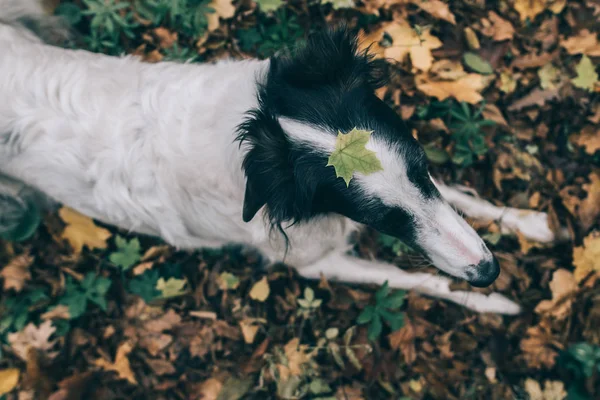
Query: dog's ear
254,200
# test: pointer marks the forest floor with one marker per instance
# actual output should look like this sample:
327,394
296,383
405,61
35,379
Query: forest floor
504,95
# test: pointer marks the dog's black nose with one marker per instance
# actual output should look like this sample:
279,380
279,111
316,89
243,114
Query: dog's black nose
485,273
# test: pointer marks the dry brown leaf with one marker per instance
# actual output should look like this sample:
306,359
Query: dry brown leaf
529,8
589,139
562,285
121,365
585,42
16,272
161,367
59,312
166,38
537,346
465,89
438,9
9,378
223,9
586,258
537,97
81,231
589,209
553,390
249,329
498,28
297,356
73,387
33,337
349,393
210,389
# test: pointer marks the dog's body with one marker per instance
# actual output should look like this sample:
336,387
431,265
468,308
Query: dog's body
192,152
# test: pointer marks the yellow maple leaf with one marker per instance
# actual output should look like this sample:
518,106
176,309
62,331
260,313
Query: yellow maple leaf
406,41
587,257
8,380
466,88
562,285
121,365
81,231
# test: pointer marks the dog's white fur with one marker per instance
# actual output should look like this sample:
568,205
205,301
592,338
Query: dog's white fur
150,148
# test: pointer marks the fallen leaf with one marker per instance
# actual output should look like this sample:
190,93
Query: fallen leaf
549,76
471,38
562,285
210,389
585,42
351,155
406,42
228,281
16,272
529,9
249,330
438,9
9,378
339,4
586,75
586,258
161,367
171,288
121,365
589,139
553,390
465,89
537,97
260,291
81,231
268,6
223,9
33,337
297,356
61,311
507,83
166,38
73,387
498,28
589,208
537,346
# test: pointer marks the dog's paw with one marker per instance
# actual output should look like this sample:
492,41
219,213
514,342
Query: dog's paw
492,303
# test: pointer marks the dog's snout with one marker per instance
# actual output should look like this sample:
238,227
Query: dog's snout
485,273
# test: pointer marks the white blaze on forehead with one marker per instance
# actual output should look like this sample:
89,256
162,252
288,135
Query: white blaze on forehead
391,185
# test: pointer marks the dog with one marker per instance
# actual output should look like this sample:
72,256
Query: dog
233,152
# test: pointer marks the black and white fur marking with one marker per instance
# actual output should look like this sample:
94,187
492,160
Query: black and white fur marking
205,155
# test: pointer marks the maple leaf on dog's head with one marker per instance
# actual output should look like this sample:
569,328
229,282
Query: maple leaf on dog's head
351,155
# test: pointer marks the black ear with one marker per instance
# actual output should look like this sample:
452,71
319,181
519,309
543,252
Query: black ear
253,201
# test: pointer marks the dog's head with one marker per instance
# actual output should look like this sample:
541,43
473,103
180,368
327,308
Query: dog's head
305,100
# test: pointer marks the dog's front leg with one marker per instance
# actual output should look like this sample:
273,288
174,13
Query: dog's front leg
349,269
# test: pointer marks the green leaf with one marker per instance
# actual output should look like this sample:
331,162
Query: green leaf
70,12
319,386
586,75
396,320
366,315
435,154
171,288
382,293
375,328
268,6
127,254
145,286
351,155
228,281
477,64
395,300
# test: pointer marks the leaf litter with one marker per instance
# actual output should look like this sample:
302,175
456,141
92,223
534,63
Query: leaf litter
89,312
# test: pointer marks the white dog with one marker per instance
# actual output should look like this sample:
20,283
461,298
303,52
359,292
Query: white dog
205,155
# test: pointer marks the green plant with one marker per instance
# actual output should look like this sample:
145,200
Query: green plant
271,35
584,358
189,17
396,245
465,125
108,21
308,305
145,286
385,308
127,254
16,311
92,288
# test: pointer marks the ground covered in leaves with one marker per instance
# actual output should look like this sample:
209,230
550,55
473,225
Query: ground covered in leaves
505,97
